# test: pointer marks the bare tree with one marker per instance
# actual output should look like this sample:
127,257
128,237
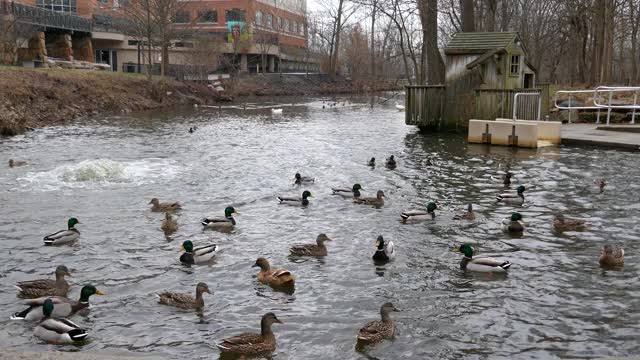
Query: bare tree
468,17
430,53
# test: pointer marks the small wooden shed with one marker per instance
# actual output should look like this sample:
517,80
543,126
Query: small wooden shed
498,58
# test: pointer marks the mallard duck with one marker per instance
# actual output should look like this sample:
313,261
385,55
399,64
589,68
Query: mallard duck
375,201
222,223
354,192
13,163
46,287
513,223
372,162
467,215
384,250
169,224
470,263
58,331
612,256
63,307
430,211
252,343
301,201
184,301
198,255
299,179
391,162
64,236
600,183
164,207
399,107
273,277
562,223
507,179
376,331
510,198
317,249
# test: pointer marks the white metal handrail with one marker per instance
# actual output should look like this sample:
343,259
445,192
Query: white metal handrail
610,90
570,107
515,103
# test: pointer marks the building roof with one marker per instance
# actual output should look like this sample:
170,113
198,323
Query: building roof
479,42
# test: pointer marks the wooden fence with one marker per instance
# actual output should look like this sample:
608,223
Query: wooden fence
425,106
491,104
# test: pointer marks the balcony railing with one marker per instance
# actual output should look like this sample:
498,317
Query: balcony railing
35,16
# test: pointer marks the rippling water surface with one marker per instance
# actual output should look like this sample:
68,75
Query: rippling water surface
555,302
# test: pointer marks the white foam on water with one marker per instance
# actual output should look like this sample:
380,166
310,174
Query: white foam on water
101,173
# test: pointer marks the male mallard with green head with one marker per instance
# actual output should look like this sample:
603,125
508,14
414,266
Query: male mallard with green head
169,224
252,343
64,236
273,277
376,331
384,250
317,249
563,223
221,223
299,179
63,307
295,201
46,287
510,198
377,201
157,206
470,263
468,215
612,256
513,224
430,210
354,192
197,255
184,301
57,331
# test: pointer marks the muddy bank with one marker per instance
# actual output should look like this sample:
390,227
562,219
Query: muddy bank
34,98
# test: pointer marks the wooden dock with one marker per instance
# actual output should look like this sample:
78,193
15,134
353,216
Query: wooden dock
614,136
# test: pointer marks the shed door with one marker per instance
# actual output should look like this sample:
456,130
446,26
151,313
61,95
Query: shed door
528,81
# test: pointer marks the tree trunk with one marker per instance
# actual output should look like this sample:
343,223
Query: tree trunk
468,20
633,14
492,7
434,65
336,48
373,39
504,15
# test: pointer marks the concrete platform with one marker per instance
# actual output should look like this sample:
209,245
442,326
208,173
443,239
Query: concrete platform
589,134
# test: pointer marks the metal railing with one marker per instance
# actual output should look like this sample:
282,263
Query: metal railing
598,96
571,101
528,104
32,15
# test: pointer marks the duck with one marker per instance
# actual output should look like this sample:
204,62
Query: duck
57,331
510,198
563,223
276,111
317,249
273,277
169,224
301,201
354,192
600,183
45,287
470,263
184,301
376,331
372,162
467,215
14,163
63,307
64,236
164,207
384,250
299,179
197,255
377,201
391,162
191,130
221,223
611,256
430,211
506,181
253,343
399,107
513,224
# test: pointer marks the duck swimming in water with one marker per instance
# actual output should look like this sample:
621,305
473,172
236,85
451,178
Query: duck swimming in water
252,343
470,263
384,250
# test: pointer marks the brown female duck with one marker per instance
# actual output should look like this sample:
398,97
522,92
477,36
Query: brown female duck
317,249
163,207
184,301
273,277
612,256
252,343
46,287
374,201
376,331
169,224
563,223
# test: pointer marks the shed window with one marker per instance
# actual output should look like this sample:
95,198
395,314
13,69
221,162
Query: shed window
515,65
208,16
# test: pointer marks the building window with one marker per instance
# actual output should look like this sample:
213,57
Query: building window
286,25
68,6
295,27
302,29
259,17
234,15
515,65
208,16
103,1
279,23
269,21
182,17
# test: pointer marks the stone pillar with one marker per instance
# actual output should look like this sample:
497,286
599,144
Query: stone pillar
83,49
62,47
244,67
272,63
38,48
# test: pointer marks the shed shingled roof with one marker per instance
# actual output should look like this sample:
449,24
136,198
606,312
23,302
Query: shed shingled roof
479,42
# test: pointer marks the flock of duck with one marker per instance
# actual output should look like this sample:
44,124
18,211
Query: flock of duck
47,302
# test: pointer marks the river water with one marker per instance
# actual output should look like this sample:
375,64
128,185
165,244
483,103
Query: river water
555,302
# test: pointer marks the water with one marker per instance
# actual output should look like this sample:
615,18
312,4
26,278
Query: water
555,301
